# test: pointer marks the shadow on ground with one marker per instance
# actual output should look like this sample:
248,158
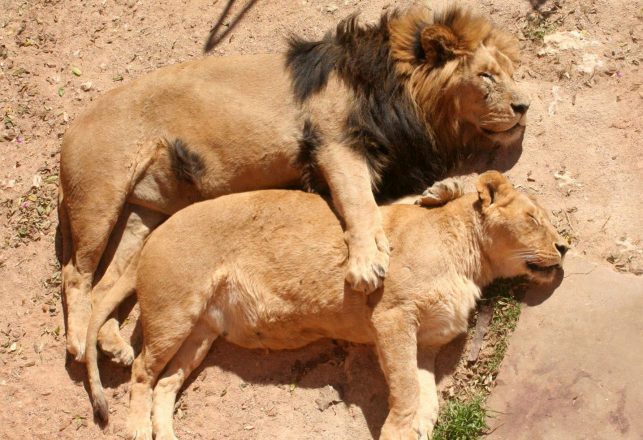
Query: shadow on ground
351,369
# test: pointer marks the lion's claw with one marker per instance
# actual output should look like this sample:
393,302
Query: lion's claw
365,274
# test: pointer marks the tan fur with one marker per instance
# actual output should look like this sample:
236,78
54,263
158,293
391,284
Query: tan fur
239,115
266,270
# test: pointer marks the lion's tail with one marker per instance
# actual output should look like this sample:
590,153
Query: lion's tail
123,288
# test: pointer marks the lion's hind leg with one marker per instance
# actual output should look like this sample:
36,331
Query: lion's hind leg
90,218
189,357
126,242
95,192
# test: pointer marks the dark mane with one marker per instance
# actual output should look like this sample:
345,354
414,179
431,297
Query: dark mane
384,123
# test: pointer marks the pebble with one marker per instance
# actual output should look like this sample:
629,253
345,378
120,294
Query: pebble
86,86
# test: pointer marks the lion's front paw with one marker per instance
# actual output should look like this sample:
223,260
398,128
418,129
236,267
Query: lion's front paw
441,192
367,267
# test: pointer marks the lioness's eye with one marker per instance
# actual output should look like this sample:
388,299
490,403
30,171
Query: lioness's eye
487,76
534,219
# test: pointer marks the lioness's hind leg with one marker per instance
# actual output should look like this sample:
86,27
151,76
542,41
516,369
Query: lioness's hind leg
164,333
145,370
127,240
189,356
139,419
442,192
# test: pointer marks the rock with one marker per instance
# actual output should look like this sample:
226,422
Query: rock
331,8
86,86
328,396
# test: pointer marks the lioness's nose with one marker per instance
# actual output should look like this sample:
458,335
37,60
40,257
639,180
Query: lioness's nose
520,107
562,248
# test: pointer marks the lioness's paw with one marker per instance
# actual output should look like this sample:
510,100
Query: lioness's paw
165,436
441,192
424,423
392,432
366,270
143,432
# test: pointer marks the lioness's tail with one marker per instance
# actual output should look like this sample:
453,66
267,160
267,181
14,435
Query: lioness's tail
123,288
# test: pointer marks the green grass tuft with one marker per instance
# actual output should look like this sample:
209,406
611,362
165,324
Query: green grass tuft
464,416
462,420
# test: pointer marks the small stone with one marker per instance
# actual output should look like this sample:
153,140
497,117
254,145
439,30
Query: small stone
328,396
331,8
38,346
86,86
13,347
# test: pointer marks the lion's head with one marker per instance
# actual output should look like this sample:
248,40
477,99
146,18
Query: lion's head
520,237
459,69
426,96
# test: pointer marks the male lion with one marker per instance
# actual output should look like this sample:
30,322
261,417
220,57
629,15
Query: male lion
366,113
265,269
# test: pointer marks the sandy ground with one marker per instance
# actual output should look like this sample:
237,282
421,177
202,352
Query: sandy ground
581,157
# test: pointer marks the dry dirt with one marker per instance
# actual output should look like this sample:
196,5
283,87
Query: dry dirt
581,157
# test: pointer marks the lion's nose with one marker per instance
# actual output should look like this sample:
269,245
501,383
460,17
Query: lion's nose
562,248
520,107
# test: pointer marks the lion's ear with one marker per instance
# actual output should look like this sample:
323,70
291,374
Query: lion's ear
492,187
439,44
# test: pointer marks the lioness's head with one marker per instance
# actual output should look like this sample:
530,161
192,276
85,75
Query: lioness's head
460,71
520,238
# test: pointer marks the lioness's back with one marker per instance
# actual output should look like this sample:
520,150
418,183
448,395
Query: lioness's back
255,231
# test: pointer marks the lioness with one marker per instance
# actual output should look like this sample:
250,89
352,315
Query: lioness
368,112
266,270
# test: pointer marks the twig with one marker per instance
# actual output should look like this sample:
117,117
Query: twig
605,223
482,324
579,273
569,222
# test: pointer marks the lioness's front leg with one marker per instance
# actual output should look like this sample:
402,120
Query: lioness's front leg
396,343
427,414
349,180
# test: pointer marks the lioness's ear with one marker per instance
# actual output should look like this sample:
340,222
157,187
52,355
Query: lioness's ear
492,186
438,43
